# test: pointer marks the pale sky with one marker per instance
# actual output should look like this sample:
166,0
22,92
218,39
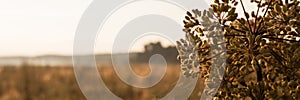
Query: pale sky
37,27
41,27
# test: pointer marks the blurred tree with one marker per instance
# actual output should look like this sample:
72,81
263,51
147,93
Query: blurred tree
150,49
262,49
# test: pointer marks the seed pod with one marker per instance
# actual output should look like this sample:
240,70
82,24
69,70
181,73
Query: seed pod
247,15
222,7
253,14
291,83
253,62
288,28
283,83
284,9
185,22
178,57
214,7
217,1
272,13
277,8
298,88
225,1
258,38
231,17
235,3
189,14
199,30
242,68
187,18
204,13
231,11
263,42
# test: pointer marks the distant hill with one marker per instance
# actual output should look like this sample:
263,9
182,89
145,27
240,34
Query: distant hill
52,60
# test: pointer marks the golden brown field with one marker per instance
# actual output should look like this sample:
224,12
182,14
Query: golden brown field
59,83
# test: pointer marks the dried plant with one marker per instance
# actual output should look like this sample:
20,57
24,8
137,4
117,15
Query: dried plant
262,49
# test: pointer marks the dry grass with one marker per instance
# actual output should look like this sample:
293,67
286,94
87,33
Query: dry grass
43,83
59,83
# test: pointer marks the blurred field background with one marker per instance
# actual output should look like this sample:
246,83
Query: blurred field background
52,77
29,82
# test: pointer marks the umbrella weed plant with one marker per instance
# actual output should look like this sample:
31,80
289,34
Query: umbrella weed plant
249,55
